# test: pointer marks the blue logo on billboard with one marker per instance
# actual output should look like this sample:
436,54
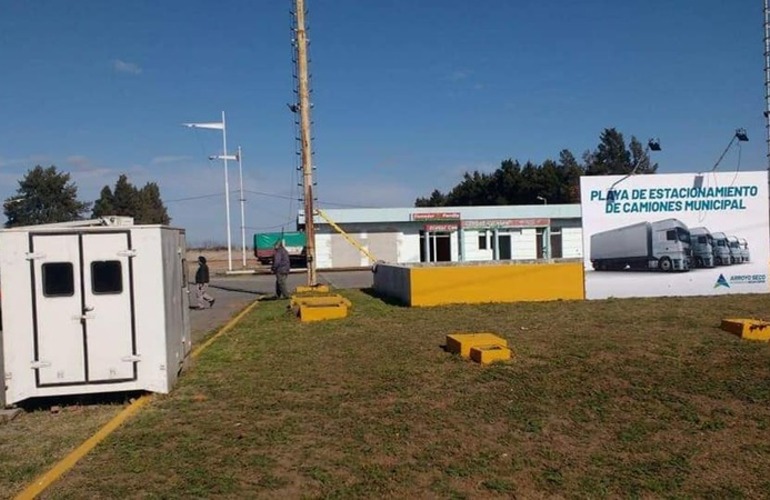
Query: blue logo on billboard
721,281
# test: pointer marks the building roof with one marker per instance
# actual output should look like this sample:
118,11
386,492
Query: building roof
364,215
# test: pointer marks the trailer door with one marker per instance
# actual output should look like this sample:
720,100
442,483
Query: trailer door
108,307
57,310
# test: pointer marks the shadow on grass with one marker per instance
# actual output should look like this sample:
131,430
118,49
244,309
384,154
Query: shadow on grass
50,403
391,301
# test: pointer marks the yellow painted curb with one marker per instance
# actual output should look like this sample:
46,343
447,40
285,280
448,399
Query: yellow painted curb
48,478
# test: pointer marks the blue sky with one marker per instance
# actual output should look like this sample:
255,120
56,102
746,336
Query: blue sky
407,94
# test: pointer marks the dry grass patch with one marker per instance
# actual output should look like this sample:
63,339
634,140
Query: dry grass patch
618,397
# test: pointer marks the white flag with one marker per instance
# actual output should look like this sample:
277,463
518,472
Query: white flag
211,125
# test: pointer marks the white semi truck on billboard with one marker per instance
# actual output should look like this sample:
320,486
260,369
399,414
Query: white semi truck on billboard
702,245
721,249
736,252
662,245
745,252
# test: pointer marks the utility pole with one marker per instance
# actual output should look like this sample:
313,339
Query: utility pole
242,200
767,77
305,138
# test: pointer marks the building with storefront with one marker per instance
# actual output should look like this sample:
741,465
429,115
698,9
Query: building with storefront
448,234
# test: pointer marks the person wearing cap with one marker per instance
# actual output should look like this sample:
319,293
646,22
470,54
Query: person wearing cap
202,285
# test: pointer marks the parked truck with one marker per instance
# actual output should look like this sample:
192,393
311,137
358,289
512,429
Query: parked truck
745,253
662,245
264,247
702,245
736,253
721,249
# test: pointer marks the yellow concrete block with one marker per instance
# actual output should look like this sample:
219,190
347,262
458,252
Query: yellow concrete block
312,289
475,284
320,313
490,353
320,300
461,343
750,329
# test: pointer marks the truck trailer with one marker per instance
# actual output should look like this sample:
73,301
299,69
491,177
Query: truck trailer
702,245
264,246
662,245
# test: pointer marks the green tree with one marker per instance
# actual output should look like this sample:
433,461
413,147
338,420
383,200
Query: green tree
144,205
125,198
44,196
436,199
105,205
152,210
612,157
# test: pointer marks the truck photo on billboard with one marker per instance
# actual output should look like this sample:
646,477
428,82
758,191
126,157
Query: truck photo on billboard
675,234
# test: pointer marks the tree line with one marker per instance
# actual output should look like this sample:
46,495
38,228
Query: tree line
46,195
553,181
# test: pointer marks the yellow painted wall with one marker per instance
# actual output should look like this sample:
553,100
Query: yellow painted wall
432,286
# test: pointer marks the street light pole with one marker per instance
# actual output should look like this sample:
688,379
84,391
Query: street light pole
224,157
227,195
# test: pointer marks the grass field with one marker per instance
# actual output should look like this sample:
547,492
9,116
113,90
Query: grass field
604,398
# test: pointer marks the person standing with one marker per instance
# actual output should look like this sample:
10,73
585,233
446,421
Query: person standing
202,284
281,267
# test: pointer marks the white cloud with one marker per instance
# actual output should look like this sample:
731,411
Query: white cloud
126,67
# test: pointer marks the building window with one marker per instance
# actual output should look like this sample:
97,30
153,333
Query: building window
483,238
106,277
58,279
556,250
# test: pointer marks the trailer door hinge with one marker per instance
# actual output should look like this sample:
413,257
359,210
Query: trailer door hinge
34,255
127,253
133,358
39,364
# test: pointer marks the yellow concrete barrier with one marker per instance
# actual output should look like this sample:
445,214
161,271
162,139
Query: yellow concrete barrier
474,284
312,289
309,313
750,329
490,353
323,300
462,343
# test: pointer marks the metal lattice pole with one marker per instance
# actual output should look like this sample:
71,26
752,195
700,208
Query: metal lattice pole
767,77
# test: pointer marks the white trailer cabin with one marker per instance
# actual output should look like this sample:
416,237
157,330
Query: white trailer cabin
92,307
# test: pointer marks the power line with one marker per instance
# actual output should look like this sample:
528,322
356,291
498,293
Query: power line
195,197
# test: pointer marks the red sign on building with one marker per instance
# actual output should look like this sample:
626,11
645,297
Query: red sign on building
505,223
440,228
436,216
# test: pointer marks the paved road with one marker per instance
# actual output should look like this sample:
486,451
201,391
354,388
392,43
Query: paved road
233,293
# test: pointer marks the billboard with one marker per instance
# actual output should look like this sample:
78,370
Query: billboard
675,234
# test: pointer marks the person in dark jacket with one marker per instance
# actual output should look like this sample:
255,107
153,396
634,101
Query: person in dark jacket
281,267
202,285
